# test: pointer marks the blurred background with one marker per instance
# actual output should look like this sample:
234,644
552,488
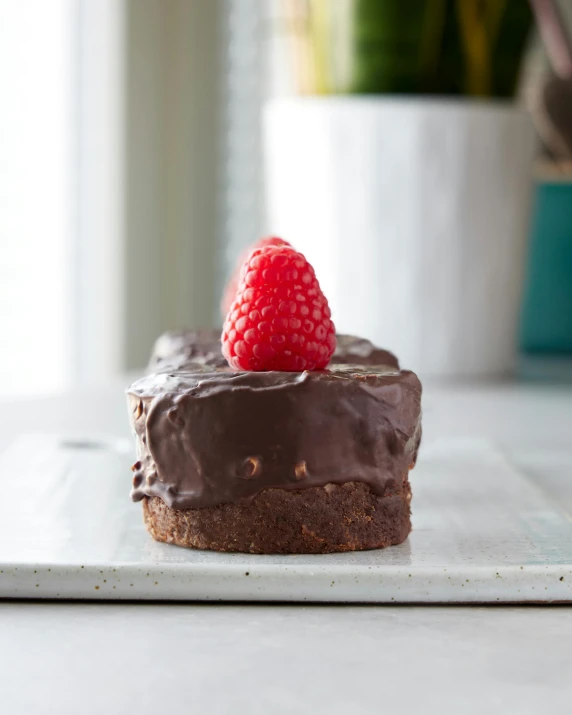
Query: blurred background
418,151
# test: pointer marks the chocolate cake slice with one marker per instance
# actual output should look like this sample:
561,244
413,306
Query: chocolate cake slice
177,348
276,462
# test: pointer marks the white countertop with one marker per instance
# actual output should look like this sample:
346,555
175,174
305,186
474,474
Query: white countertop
93,658
273,660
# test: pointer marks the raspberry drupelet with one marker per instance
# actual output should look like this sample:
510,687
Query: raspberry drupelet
232,285
279,319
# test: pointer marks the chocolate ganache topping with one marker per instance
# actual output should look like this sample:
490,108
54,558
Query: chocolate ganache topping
208,436
178,348
359,351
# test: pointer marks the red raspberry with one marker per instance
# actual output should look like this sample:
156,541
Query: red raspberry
232,285
279,319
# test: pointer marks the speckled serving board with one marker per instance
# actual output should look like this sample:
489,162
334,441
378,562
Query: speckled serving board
483,533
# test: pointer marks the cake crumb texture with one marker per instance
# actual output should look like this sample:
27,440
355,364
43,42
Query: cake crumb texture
317,520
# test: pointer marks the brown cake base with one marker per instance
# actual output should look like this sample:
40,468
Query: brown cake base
318,520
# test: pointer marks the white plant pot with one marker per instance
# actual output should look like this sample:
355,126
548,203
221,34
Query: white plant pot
414,214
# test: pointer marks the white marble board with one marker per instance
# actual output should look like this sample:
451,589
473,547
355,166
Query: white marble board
483,533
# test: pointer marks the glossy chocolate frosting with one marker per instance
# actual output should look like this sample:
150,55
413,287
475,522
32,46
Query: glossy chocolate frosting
352,350
177,348
208,436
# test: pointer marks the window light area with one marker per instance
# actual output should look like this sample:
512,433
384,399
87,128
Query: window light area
35,204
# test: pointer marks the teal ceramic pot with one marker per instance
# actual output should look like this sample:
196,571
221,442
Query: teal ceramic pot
546,325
